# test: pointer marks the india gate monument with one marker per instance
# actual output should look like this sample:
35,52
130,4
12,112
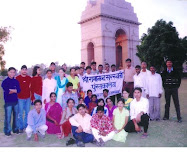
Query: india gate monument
110,32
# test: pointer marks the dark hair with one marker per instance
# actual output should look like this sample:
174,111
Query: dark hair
48,71
80,98
88,67
100,65
107,64
81,68
106,90
52,63
128,60
152,66
93,63
100,108
113,65
121,99
108,98
100,101
137,67
69,100
69,84
137,88
11,68
34,72
37,101
80,105
83,63
89,91
23,67
72,68
94,95
62,69
169,60
52,94
126,91
77,68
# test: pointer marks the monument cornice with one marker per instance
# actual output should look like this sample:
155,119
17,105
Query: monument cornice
110,17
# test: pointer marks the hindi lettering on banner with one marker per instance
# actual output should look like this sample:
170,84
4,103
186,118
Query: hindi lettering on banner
112,81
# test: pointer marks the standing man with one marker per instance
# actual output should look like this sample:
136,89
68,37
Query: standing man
128,81
83,66
144,71
93,66
154,93
171,82
24,100
100,69
53,69
113,68
139,111
107,68
11,88
138,80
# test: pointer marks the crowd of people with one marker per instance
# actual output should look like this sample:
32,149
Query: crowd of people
57,104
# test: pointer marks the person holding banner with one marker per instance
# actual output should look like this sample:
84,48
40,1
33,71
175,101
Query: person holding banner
100,69
93,66
128,80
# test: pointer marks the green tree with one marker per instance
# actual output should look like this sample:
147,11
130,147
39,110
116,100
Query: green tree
160,43
4,37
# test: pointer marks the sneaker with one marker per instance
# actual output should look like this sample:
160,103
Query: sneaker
165,118
8,134
80,144
144,135
71,141
16,132
180,120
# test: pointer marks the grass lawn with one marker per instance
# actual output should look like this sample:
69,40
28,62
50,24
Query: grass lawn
161,134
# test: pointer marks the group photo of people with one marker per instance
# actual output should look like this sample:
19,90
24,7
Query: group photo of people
57,103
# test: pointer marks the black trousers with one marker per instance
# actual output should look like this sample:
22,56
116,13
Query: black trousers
174,93
144,122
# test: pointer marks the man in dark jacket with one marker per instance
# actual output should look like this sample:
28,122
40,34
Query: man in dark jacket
171,82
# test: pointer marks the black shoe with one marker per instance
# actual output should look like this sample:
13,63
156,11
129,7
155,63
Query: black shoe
71,141
16,132
180,120
165,118
8,134
80,144
157,119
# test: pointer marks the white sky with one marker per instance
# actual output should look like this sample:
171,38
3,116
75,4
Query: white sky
47,30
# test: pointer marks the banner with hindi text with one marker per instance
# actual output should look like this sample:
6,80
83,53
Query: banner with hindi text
112,81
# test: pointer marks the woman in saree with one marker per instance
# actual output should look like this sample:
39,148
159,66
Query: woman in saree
53,115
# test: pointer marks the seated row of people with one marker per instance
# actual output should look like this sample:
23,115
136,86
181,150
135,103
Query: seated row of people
98,127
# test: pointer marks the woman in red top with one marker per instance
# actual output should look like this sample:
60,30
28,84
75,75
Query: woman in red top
36,84
92,104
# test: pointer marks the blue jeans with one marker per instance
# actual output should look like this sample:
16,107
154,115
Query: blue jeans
37,97
23,105
7,122
84,137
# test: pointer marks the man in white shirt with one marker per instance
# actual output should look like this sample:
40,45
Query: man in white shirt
94,70
154,93
81,127
144,71
49,85
139,110
138,80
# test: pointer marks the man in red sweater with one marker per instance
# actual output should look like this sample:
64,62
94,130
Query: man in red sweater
24,100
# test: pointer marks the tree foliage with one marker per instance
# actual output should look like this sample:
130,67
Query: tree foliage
160,43
4,37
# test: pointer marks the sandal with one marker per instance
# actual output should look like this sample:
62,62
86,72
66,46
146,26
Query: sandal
144,136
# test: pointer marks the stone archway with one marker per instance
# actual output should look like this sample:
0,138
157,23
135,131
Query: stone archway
90,52
121,45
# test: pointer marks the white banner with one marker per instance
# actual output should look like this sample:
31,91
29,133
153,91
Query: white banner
112,81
